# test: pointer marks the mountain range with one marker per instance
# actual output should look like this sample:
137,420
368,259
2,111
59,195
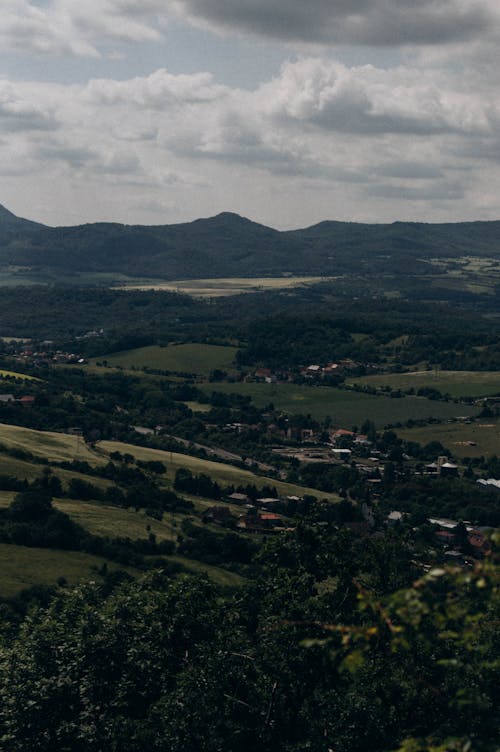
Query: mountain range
229,245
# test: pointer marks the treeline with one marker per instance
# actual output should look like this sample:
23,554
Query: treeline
203,485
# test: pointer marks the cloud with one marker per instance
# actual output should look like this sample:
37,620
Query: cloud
86,28
359,136
73,27
359,22
370,100
436,191
159,90
18,113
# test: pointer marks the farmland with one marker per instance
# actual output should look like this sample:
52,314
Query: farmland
218,471
17,376
454,383
61,447
216,288
56,447
183,358
23,567
476,439
346,408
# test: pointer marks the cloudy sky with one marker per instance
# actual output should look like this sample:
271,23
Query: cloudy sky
285,111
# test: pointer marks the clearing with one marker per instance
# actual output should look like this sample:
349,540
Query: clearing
185,358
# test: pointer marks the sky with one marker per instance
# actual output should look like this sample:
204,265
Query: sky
288,112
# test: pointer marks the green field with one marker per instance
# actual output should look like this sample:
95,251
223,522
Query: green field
454,383
59,447
114,522
345,408
218,471
191,358
56,447
23,567
476,439
216,288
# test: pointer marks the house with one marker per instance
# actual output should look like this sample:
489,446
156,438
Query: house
491,482
443,467
393,518
27,401
7,398
262,522
342,454
218,515
238,498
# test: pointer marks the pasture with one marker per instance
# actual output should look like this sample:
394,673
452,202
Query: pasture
24,567
476,439
216,288
104,520
182,358
222,473
56,447
345,408
454,383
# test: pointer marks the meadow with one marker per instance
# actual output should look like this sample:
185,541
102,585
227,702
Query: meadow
345,408
222,473
24,567
480,438
454,383
182,358
56,447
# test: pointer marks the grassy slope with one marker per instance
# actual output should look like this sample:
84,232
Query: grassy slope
455,383
22,567
15,375
218,471
346,408
190,358
56,447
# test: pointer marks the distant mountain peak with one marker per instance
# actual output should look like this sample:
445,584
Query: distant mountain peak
11,220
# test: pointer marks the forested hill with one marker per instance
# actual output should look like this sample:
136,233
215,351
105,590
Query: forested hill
229,245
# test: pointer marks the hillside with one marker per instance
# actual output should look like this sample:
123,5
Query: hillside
229,245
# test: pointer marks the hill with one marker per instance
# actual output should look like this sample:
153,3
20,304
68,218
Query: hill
229,245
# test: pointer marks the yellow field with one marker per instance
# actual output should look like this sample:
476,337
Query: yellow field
56,447
216,288
218,471
18,376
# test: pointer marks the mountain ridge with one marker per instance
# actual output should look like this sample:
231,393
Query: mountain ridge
229,245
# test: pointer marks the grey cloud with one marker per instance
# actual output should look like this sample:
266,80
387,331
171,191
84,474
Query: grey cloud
409,170
74,156
435,191
19,114
370,101
362,22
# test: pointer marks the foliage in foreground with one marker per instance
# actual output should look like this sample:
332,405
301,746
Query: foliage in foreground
164,664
